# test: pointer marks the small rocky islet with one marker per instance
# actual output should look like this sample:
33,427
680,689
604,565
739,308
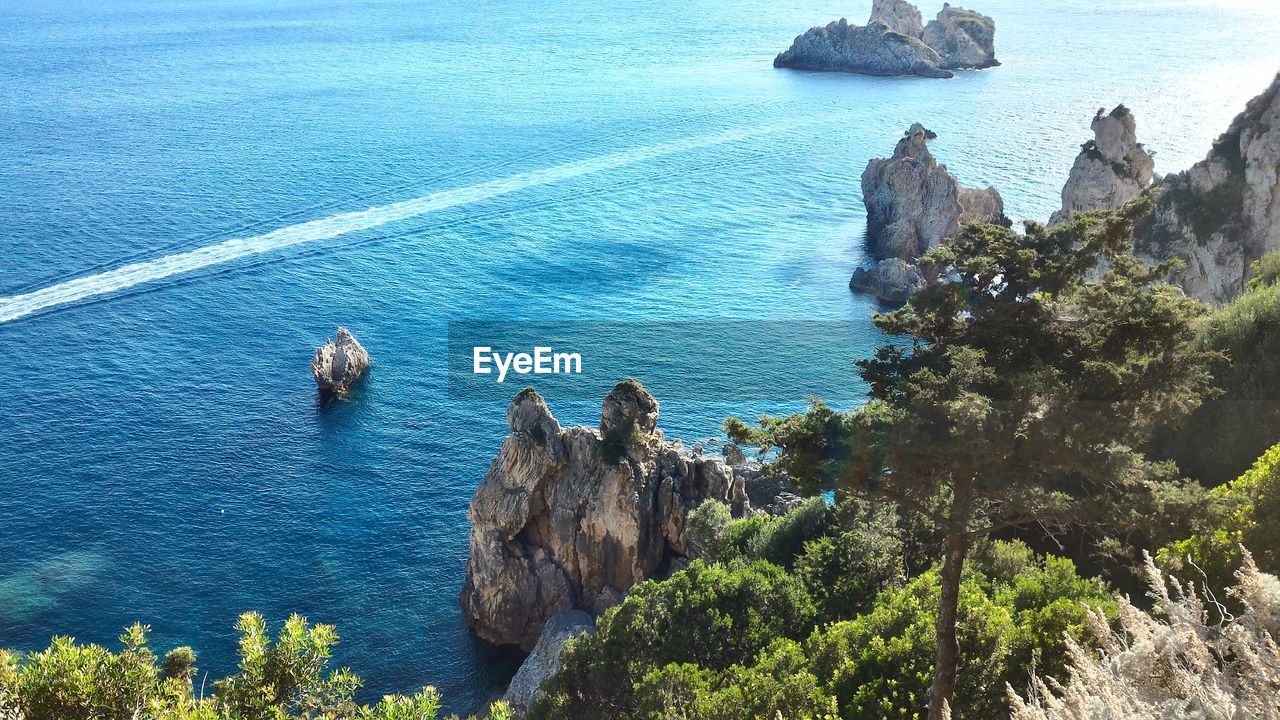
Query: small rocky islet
895,41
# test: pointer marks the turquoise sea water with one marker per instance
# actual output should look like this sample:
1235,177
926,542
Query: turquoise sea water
163,454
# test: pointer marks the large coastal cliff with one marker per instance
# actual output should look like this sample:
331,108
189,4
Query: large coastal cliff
913,204
571,518
896,42
1224,212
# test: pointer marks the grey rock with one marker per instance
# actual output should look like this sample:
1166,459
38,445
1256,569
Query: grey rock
337,365
914,204
964,39
895,42
544,660
573,517
1110,170
733,455
865,49
1224,212
899,16
892,280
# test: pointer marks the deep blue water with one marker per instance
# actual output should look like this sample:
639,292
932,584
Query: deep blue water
163,454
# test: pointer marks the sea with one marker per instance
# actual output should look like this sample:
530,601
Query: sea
194,194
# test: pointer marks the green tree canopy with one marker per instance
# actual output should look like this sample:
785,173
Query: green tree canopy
1034,368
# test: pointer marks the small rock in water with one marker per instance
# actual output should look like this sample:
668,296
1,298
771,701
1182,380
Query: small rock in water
337,365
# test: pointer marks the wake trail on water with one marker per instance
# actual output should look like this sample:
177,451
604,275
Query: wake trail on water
150,271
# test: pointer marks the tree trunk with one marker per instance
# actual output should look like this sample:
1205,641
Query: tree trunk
947,662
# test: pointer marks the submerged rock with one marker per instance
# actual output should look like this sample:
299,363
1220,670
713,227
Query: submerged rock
544,660
1110,170
963,38
571,518
914,204
337,365
896,42
1224,212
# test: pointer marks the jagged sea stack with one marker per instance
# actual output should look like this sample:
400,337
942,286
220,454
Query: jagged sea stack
1111,169
913,204
571,518
896,42
1224,212
339,363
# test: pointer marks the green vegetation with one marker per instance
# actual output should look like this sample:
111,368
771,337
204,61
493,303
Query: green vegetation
1022,398
1244,512
746,640
287,679
1220,440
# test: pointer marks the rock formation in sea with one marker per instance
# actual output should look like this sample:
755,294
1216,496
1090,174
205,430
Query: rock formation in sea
571,518
896,42
1224,212
337,365
963,38
1111,169
544,660
913,204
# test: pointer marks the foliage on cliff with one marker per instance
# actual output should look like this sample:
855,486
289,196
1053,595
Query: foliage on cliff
287,679
1023,398
1244,512
1221,438
747,640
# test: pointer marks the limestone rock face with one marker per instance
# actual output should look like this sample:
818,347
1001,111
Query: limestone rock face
337,365
544,660
1224,212
571,518
899,16
865,49
913,204
963,38
1110,170
896,42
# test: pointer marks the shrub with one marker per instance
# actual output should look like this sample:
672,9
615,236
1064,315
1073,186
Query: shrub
287,679
708,529
1245,512
779,540
1217,442
1175,664
712,616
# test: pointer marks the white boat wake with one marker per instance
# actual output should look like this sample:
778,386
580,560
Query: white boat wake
149,271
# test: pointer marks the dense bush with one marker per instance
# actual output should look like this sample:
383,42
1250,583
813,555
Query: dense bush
779,540
1245,512
1217,442
1173,665
740,641
1015,611
713,616
286,679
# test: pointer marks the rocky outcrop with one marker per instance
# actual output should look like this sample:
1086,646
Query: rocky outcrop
1224,212
899,16
913,204
337,365
964,39
571,518
1111,169
864,49
896,42
544,661
892,280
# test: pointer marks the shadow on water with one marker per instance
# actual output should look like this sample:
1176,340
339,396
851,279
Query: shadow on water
42,586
